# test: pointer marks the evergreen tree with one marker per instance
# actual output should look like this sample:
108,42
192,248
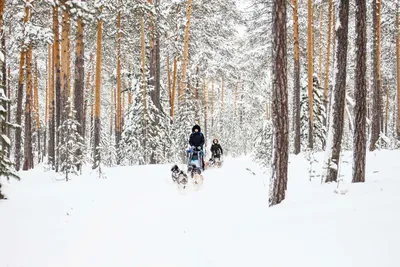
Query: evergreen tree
319,129
70,147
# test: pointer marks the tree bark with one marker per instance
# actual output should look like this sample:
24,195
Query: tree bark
310,72
20,95
65,62
296,83
79,87
79,90
185,53
376,101
118,128
279,105
97,125
56,59
328,60
340,90
28,153
37,111
360,110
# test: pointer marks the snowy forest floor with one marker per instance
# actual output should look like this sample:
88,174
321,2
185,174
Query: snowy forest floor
137,217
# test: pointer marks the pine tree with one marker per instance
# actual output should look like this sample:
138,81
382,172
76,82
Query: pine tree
335,134
6,165
279,106
361,94
71,145
319,130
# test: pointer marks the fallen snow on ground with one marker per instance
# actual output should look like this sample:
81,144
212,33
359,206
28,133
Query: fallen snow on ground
137,217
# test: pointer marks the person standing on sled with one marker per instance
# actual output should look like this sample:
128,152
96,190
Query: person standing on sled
196,141
216,150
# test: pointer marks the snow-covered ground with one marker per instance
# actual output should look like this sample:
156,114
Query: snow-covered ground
137,217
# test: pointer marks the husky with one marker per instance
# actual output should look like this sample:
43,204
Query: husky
179,177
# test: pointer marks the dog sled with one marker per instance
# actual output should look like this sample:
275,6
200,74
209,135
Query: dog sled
193,173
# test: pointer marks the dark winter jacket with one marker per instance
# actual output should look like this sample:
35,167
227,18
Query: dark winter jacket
196,139
216,149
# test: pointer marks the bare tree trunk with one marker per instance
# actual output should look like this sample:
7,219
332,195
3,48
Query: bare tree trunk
97,125
310,48
320,46
339,91
328,60
360,135
376,102
20,95
28,153
118,128
48,86
37,111
296,83
279,105
79,90
58,104
185,53
65,62
89,90
52,117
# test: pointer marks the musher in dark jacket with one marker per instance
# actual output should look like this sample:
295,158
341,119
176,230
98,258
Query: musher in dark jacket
196,141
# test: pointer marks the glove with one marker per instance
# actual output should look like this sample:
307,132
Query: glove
199,147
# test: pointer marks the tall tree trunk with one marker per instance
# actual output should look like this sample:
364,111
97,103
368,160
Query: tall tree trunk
185,53
37,111
52,117
320,46
376,102
65,62
97,125
28,153
328,60
118,129
47,110
20,95
89,90
279,105
398,67
339,92
57,71
2,4
360,110
79,86
310,48
144,87
296,83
